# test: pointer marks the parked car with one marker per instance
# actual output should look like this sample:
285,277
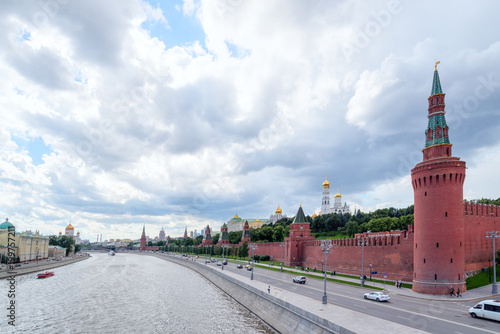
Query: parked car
299,279
207,261
378,296
219,264
224,262
239,266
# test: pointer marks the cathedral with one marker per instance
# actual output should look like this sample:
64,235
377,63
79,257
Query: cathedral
337,204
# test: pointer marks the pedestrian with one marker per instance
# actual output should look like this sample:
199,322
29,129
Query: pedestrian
452,293
269,289
458,292
400,283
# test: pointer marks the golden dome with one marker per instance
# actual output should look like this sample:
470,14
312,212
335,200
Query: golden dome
236,216
314,215
319,214
278,210
60,232
326,184
257,221
338,195
70,227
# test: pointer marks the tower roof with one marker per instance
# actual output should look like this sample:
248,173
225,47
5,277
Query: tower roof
299,217
278,210
70,227
6,225
144,230
326,184
436,83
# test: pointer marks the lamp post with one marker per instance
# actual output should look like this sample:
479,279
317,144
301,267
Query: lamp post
252,246
182,250
362,242
223,248
493,235
206,254
489,270
282,245
325,247
371,271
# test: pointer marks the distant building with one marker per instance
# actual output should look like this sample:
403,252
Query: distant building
337,205
70,232
162,234
278,214
29,246
236,223
143,246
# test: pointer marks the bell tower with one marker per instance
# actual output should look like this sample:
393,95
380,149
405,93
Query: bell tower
438,258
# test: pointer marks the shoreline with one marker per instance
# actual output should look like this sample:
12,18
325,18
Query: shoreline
5,273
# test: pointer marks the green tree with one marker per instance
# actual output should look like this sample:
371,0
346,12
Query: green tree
235,237
243,251
278,233
266,233
351,228
215,239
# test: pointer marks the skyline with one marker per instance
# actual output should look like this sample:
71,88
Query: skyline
181,114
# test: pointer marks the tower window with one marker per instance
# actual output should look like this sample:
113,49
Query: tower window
451,260
446,214
424,259
459,277
460,244
416,245
426,193
435,276
437,244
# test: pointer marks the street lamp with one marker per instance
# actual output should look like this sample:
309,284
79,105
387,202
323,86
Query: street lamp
206,254
282,245
371,271
489,270
325,247
252,246
223,248
493,235
362,242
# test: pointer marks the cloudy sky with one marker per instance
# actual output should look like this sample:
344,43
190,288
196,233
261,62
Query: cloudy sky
116,114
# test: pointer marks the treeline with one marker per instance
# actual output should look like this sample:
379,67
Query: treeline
64,241
486,201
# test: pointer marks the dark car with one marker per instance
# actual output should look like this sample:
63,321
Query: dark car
239,266
299,279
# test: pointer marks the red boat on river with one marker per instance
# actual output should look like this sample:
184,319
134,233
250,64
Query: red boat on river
45,274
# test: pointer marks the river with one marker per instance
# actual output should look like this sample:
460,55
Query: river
123,293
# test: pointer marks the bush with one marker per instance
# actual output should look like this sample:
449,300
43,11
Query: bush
265,258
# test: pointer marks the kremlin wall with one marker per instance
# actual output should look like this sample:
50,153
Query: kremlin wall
447,242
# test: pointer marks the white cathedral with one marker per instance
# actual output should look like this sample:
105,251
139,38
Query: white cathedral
337,204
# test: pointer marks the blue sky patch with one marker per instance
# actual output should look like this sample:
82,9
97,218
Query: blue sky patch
35,146
181,30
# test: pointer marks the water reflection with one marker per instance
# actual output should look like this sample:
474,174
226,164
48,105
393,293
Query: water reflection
126,293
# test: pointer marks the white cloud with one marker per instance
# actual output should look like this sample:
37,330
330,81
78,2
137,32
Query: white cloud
250,117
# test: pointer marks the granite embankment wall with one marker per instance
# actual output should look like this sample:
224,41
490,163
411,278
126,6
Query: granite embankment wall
43,266
280,315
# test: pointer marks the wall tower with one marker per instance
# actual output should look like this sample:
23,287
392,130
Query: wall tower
143,238
438,260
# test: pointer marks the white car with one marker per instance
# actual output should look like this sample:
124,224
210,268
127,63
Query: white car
378,296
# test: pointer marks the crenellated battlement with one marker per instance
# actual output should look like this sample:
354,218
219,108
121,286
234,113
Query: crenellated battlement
373,239
481,210
439,173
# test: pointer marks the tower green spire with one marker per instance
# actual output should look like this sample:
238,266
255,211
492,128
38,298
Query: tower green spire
436,84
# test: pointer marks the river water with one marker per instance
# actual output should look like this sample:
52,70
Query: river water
126,293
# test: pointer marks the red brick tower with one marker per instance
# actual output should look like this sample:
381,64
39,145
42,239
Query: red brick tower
143,238
224,236
300,232
246,233
207,239
185,233
438,260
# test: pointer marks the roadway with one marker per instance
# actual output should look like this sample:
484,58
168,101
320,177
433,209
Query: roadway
434,316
